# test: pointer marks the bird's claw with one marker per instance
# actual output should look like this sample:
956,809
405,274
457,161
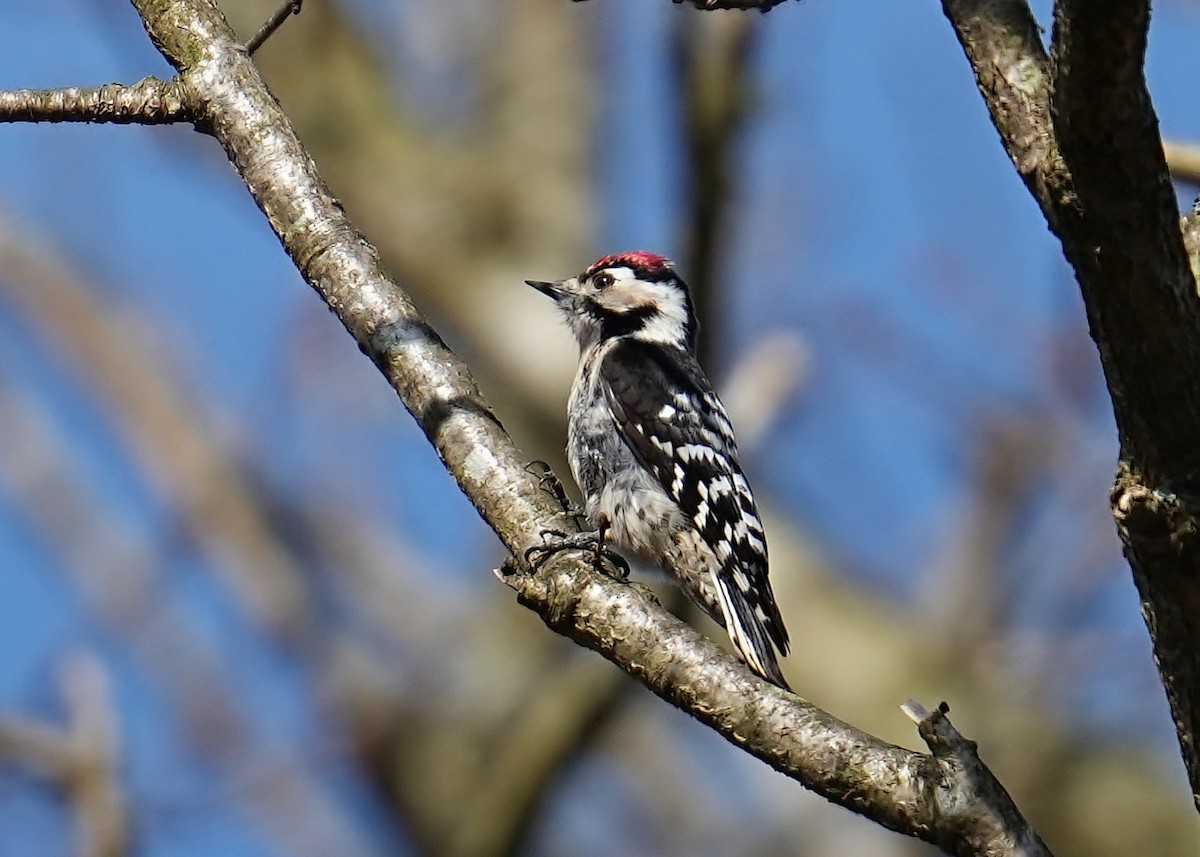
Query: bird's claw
604,559
553,486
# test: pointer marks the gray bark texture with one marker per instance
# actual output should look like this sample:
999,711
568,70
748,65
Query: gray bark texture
1080,128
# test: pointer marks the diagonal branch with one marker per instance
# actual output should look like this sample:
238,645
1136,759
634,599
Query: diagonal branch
273,23
949,798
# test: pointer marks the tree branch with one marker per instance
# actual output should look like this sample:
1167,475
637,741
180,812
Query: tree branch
1003,830
150,101
1082,132
1144,313
1139,290
286,10
950,799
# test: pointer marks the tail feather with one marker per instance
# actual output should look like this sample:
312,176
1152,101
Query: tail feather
748,632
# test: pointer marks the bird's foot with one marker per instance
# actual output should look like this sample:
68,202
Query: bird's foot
604,559
553,486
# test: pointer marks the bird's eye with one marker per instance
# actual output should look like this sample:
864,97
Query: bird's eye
603,280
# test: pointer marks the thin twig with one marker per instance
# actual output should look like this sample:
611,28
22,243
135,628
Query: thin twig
285,11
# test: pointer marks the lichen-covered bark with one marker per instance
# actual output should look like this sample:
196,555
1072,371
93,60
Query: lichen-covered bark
150,101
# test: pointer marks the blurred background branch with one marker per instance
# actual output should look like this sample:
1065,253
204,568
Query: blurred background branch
82,759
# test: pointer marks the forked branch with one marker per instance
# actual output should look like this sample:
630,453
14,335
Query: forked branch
1080,127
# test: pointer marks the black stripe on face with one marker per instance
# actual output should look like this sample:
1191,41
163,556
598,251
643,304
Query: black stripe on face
623,323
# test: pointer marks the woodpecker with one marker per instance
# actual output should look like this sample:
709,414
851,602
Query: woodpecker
652,449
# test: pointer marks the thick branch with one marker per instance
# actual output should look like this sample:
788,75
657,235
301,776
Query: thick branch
1083,133
1138,286
150,101
1144,313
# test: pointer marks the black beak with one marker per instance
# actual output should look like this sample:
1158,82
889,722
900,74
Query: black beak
551,290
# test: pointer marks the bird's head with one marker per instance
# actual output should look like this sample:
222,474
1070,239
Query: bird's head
636,294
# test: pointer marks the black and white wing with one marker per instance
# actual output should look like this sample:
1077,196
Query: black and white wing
668,414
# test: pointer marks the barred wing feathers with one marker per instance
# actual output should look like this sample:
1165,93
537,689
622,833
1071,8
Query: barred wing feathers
672,420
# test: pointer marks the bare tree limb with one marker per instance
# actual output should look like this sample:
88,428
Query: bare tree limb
1139,290
1004,831
1002,40
1082,132
150,101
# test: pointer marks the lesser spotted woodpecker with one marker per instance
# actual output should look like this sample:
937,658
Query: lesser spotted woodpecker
652,449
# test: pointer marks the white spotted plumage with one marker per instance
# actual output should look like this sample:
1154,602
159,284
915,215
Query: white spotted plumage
653,451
